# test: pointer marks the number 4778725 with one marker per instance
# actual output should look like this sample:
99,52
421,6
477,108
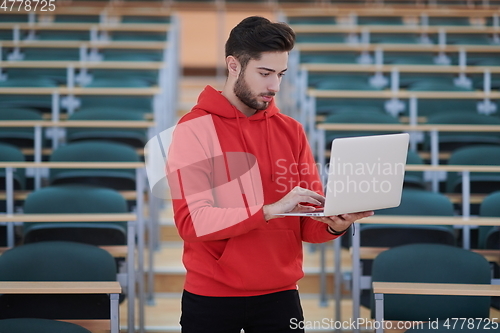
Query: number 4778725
28,5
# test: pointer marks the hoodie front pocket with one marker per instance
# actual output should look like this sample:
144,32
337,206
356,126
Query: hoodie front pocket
260,260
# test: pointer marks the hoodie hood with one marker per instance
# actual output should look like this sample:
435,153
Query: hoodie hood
212,101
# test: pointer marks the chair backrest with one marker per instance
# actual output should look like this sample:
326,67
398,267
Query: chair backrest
414,202
485,182
75,199
16,325
432,263
489,237
10,153
452,140
57,261
130,136
18,136
360,117
414,178
95,151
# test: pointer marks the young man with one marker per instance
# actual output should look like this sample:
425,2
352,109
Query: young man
236,161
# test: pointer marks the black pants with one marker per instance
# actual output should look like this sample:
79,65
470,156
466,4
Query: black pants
278,313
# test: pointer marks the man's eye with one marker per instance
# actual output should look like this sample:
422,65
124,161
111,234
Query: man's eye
264,74
281,74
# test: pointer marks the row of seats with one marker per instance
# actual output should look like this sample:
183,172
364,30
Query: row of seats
407,81
24,137
465,148
78,191
397,58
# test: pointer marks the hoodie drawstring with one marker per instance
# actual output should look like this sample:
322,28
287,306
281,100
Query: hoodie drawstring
268,129
268,136
240,130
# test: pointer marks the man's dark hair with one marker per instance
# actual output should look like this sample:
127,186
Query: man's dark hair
255,35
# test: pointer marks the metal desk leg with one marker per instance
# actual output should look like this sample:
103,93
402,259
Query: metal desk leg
115,312
131,225
337,248
379,312
140,246
323,297
356,276
466,208
9,189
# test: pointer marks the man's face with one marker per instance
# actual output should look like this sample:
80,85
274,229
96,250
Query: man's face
260,80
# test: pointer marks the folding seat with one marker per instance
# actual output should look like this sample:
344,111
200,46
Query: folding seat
22,137
130,136
449,141
432,263
360,117
16,325
56,261
95,151
480,182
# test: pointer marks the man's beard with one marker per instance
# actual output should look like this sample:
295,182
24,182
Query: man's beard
242,91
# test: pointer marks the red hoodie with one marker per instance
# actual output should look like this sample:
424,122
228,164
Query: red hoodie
222,167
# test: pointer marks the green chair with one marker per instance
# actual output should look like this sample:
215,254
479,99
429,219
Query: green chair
9,153
414,179
443,20
56,261
320,38
19,136
151,76
378,20
44,54
436,84
63,35
145,19
429,107
489,237
139,36
386,38
77,18
141,104
327,106
450,141
468,39
118,83
133,137
312,20
432,263
480,182
17,325
75,199
341,82
21,18
55,74
414,202
359,117
131,55
407,58
28,83
95,151
341,57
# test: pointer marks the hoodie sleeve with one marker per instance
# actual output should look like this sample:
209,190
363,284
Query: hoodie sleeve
312,231
213,193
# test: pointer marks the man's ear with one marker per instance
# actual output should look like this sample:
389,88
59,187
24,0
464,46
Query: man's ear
233,66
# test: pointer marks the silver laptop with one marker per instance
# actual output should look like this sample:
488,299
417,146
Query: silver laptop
365,173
